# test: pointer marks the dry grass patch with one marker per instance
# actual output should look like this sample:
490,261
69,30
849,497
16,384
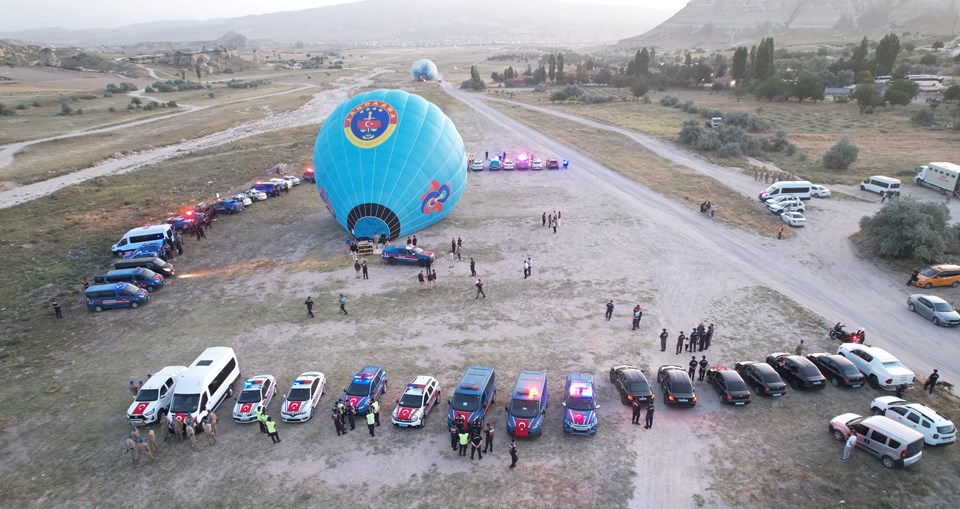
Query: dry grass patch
624,156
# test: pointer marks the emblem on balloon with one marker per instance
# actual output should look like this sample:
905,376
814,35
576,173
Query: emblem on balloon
370,124
432,201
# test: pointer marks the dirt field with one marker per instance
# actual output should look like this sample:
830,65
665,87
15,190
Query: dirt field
63,426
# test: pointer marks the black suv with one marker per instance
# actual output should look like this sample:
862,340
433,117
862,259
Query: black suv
798,371
731,387
764,379
838,369
677,386
631,383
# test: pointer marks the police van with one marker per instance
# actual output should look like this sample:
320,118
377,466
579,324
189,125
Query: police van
473,396
115,295
144,278
527,405
205,385
137,237
800,188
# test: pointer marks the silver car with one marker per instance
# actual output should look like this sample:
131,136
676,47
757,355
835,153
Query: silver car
934,308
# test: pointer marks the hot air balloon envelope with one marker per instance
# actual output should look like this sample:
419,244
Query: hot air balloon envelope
389,162
424,70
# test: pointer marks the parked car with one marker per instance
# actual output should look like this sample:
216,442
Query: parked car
580,405
934,308
779,198
494,165
154,397
819,191
881,369
407,254
293,180
255,393
764,379
256,195
631,383
797,371
677,386
367,385
553,164
227,206
537,164
935,427
476,165
523,162
419,398
787,206
509,164
243,198
838,369
729,385
895,444
793,218
305,392
272,189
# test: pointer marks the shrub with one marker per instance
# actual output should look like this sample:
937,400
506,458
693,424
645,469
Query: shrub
22,106
791,149
708,141
541,87
841,155
5,111
668,100
733,134
757,124
690,132
36,104
687,106
908,229
730,150
590,98
172,104
65,108
558,96
737,118
112,109
148,90
923,117
708,113
572,91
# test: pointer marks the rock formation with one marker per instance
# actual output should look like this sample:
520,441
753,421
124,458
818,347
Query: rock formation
48,58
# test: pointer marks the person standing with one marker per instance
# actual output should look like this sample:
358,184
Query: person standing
799,350
780,232
363,267
529,266
635,405
693,367
636,323
414,241
848,446
694,339
454,436
558,217
261,419
57,311
663,340
703,367
639,315
554,226
376,240
705,342
343,304
433,279
526,269
459,243
375,406
459,253
371,421
648,420
349,411
450,258
272,430
544,218
463,438
680,340
356,267
609,314
488,438
475,442
479,285
421,279
931,381
900,389
453,245
473,267
513,453
309,304
338,422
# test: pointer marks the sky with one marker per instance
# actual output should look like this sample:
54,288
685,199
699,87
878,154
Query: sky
73,14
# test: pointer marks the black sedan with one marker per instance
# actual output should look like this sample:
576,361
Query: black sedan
764,379
731,387
677,386
838,369
631,383
798,371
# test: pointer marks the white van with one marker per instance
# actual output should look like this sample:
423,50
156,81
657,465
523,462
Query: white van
896,445
143,235
801,188
880,184
205,384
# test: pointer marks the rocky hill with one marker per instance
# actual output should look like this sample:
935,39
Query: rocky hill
390,22
724,23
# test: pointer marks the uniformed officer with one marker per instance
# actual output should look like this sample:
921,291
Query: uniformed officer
152,440
209,431
680,340
460,422
475,443
165,426
636,411
475,427
191,433
349,411
513,453
488,438
338,422
144,449
131,448
454,436
463,439
663,340
133,388
371,420
212,417
694,339
261,419
272,430
703,367
693,367
421,279
648,422
178,429
375,406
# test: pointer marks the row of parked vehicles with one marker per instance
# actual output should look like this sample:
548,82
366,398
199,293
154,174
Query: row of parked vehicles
143,268
785,199
523,162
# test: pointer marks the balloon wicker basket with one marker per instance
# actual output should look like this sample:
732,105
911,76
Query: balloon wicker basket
364,247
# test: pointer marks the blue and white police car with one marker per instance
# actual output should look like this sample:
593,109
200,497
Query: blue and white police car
407,254
580,405
367,385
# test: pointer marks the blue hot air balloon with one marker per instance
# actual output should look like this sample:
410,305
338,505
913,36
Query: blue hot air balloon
387,161
424,70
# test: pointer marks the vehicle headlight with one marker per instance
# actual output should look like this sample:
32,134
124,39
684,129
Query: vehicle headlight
151,412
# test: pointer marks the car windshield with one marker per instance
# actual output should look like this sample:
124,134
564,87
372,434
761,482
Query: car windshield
184,403
850,371
299,394
736,385
638,387
358,389
249,396
411,400
576,403
523,408
148,394
466,402
943,307
929,272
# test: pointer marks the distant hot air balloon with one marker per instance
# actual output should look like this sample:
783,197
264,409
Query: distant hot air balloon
424,70
387,161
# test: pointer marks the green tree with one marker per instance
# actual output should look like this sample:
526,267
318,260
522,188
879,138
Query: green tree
581,74
866,96
560,67
558,96
198,71
739,69
740,90
858,61
642,62
639,87
771,88
808,86
952,93
908,228
552,67
841,155
763,63
621,80
930,59
887,51
603,77
901,92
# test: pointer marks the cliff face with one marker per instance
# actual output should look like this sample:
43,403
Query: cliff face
717,23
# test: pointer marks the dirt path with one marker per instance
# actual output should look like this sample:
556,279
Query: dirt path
311,113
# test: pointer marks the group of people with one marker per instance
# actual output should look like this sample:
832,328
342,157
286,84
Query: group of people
146,447
708,208
770,178
474,436
552,220
698,341
344,413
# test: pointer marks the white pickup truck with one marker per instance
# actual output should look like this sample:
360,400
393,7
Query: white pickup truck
883,370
